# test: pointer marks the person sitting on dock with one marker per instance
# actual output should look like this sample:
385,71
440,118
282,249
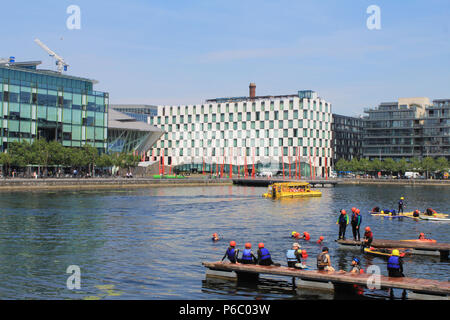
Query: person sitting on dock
356,223
430,212
247,255
324,261
376,209
395,264
293,257
342,221
264,258
416,213
356,266
231,253
368,238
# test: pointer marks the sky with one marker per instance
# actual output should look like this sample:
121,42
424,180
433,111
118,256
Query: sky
184,52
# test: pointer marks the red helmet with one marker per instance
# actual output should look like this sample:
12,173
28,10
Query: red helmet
367,228
232,243
357,211
248,245
260,245
416,211
343,211
321,238
353,209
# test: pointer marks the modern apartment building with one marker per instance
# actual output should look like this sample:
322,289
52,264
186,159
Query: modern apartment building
37,103
347,137
436,129
411,127
269,132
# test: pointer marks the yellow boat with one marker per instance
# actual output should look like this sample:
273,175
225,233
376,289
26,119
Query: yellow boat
291,190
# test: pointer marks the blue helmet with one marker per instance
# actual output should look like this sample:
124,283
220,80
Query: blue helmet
356,260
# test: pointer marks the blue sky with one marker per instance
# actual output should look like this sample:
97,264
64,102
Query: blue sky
183,52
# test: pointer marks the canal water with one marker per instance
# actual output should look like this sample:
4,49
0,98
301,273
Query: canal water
150,243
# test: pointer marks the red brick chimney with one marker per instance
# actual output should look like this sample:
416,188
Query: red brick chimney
252,88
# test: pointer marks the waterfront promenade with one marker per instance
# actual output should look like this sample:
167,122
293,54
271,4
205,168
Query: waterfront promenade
23,184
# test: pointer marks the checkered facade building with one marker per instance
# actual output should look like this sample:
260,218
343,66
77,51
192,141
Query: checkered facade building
266,131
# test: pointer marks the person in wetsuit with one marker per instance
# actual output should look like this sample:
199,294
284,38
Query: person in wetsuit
231,253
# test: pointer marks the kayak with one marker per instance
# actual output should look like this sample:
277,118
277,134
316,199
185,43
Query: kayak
433,218
378,214
436,215
383,252
422,240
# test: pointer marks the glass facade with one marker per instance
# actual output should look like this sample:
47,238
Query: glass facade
43,104
347,137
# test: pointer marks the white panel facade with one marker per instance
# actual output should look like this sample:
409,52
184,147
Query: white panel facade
266,129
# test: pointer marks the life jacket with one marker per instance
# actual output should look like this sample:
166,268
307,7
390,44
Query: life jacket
247,254
393,262
264,254
290,255
307,236
322,261
400,203
343,218
231,253
355,218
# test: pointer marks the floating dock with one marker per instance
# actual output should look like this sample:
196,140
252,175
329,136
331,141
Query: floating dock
264,182
331,280
419,247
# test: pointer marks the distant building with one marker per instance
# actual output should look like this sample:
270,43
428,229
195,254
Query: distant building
347,137
37,103
436,129
266,131
141,112
411,127
126,134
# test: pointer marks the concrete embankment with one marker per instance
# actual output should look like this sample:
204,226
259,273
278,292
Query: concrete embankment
407,182
18,184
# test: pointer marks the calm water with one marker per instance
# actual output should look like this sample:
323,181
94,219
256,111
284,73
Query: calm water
149,243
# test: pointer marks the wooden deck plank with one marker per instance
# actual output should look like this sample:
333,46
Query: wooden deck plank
420,285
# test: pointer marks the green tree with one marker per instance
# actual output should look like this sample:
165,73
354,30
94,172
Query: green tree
90,156
353,165
389,165
342,165
364,165
428,164
376,165
402,166
104,161
442,164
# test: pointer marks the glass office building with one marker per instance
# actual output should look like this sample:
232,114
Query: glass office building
36,103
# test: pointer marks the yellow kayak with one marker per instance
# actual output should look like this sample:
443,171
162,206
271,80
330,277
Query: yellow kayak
435,215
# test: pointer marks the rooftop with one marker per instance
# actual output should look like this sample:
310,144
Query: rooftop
31,67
